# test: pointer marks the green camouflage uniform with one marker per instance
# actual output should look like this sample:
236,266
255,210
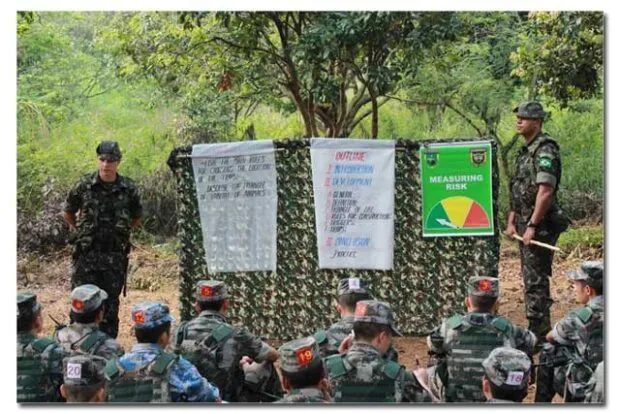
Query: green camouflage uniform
362,374
300,357
330,340
101,242
86,338
229,344
39,360
508,369
464,341
537,163
579,334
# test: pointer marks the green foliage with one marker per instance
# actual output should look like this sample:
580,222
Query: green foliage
584,238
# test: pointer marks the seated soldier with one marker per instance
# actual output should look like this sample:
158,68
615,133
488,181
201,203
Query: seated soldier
83,335
303,373
39,360
506,375
83,379
147,373
217,349
464,341
362,374
350,291
575,344
595,390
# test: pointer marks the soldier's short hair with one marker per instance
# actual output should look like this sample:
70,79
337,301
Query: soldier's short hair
516,395
214,306
311,376
367,331
86,317
151,335
349,300
82,394
483,303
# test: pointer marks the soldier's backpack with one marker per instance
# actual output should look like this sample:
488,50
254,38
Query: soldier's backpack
206,354
90,343
34,383
354,390
149,383
593,324
464,362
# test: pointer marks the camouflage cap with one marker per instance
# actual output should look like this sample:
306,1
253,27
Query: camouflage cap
508,368
27,304
483,286
87,298
83,370
374,311
109,150
590,271
149,315
211,291
351,285
297,355
530,110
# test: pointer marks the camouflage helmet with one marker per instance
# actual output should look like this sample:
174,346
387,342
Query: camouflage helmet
83,370
87,298
589,272
351,285
109,150
149,315
508,368
377,312
531,110
298,355
27,304
211,291
483,286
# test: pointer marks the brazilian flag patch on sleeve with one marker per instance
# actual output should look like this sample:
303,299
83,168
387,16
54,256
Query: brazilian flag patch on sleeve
544,162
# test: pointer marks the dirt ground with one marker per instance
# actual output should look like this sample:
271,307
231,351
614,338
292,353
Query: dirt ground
155,278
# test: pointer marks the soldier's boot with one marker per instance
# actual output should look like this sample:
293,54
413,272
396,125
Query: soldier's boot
544,376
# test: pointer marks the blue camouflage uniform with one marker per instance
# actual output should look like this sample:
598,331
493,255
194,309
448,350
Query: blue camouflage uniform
182,381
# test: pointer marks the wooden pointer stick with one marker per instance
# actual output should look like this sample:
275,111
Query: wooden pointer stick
537,243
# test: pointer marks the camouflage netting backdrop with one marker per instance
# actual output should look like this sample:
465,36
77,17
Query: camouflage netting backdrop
426,284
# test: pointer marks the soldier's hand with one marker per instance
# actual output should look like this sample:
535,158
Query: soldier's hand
244,361
528,235
511,230
345,344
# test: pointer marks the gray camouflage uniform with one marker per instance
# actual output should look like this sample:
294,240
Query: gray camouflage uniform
86,337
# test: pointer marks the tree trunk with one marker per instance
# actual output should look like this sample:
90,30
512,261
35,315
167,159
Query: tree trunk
374,131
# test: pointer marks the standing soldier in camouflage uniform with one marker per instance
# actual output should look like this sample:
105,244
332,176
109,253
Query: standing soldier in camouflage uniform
109,208
534,212
83,336
506,376
464,341
83,379
217,348
575,345
39,360
362,374
303,373
350,291
148,373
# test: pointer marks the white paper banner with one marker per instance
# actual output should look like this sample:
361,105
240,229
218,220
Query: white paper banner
238,204
353,181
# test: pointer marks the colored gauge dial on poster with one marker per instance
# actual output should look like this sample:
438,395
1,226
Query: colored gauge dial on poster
456,189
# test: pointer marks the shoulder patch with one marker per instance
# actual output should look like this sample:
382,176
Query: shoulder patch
335,366
111,369
320,337
501,324
163,361
584,314
391,369
41,344
222,332
544,161
454,321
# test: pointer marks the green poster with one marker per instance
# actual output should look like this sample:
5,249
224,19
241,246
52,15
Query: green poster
457,196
